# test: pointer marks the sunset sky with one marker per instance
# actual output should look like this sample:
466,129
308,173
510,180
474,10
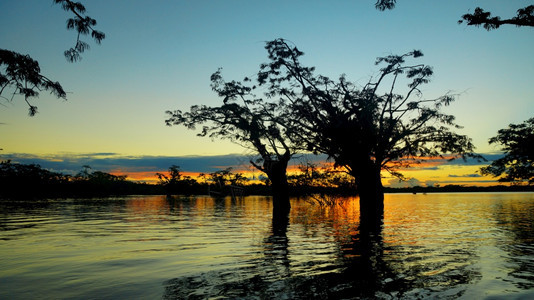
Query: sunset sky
159,55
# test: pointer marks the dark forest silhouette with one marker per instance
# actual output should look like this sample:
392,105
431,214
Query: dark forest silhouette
322,186
32,182
364,130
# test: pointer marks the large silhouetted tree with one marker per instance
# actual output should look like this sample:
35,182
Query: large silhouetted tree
364,129
21,75
517,165
524,17
251,122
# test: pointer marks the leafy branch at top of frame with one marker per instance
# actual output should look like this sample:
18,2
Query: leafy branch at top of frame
83,24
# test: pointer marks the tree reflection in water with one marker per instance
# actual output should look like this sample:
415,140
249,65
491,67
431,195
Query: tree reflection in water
445,246
270,275
426,248
512,218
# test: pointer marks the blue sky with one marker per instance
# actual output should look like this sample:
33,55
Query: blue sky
158,56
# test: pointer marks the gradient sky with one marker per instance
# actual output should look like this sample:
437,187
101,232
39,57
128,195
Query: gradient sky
159,55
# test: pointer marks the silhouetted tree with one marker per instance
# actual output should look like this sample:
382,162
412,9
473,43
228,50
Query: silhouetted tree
385,4
367,129
103,177
21,75
83,25
524,17
175,175
225,177
175,183
517,165
251,122
97,176
98,183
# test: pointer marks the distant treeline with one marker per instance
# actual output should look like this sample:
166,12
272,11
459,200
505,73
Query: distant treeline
31,181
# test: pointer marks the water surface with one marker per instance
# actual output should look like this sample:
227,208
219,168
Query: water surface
472,245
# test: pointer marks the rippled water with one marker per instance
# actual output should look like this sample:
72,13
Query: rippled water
468,246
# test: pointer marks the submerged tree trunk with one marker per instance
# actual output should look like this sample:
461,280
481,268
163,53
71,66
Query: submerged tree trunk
371,194
276,172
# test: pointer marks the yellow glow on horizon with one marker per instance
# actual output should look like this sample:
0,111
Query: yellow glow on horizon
432,175
467,175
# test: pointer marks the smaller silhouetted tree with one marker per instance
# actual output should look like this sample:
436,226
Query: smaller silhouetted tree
173,177
517,165
251,122
175,183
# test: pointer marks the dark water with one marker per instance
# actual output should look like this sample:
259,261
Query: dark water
437,246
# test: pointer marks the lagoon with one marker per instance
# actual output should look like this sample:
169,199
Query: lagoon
441,246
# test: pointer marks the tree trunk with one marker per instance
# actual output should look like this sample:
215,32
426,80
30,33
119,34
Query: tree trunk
371,194
276,172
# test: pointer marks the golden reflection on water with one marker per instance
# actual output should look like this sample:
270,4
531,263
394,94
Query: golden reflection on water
409,220
431,246
414,221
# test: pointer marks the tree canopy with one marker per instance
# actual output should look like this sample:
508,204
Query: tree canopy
524,17
21,75
364,129
252,122
517,165
385,4
243,118
360,125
